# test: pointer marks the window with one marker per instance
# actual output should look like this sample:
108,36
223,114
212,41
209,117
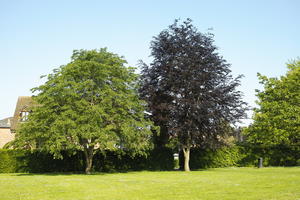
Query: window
24,116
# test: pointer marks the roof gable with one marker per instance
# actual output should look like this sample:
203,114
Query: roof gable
24,103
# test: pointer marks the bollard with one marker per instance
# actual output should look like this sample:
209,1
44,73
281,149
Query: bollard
260,162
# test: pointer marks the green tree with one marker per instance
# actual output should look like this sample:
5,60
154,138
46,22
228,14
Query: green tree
89,104
277,120
189,88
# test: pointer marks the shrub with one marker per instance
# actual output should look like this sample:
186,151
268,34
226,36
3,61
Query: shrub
156,159
12,161
208,158
243,155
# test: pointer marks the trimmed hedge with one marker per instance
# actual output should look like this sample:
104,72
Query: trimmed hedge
243,155
12,161
277,155
157,159
207,158
18,161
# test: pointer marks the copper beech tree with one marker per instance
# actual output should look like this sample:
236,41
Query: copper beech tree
189,88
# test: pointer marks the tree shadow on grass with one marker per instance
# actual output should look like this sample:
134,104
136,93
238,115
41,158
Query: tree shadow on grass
103,173
65,174
74,173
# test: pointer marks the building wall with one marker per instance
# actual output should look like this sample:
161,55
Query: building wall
5,136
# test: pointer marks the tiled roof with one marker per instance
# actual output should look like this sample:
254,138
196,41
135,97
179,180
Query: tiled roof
5,123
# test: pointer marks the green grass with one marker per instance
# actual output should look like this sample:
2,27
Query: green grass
221,184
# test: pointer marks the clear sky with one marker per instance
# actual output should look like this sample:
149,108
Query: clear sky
38,36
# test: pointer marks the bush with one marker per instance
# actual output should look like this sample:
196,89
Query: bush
278,155
43,162
243,155
156,159
208,158
12,161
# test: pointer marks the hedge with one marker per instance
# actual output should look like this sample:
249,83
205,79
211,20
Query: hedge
276,155
10,161
208,158
13,161
243,155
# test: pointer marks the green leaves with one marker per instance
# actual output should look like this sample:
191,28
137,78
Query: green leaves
277,120
90,103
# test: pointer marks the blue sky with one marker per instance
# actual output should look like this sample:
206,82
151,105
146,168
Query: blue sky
38,36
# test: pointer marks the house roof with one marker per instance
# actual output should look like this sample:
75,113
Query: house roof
24,103
5,123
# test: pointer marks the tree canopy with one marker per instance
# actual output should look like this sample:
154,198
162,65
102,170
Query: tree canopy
277,119
189,89
89,104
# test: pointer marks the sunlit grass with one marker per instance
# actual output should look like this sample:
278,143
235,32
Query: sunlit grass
221,184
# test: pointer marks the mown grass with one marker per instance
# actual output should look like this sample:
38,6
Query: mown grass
221,184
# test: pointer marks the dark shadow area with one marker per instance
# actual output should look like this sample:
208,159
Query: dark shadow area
92,174
61,174
36,162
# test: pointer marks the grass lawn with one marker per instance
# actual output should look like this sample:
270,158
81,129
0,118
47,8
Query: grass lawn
220,184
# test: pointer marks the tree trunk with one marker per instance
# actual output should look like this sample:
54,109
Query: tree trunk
88,153
186,153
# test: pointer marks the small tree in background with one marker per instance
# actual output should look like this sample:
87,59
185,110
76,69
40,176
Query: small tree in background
87,105
277,120
189,89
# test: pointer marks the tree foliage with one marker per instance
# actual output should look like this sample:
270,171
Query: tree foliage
277,120
189,89
89,104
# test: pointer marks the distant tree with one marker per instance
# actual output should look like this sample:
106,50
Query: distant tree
188,87
277,119
89,104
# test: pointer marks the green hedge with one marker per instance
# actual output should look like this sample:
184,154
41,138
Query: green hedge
157,159
243,155
12,161
207,158
276,155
